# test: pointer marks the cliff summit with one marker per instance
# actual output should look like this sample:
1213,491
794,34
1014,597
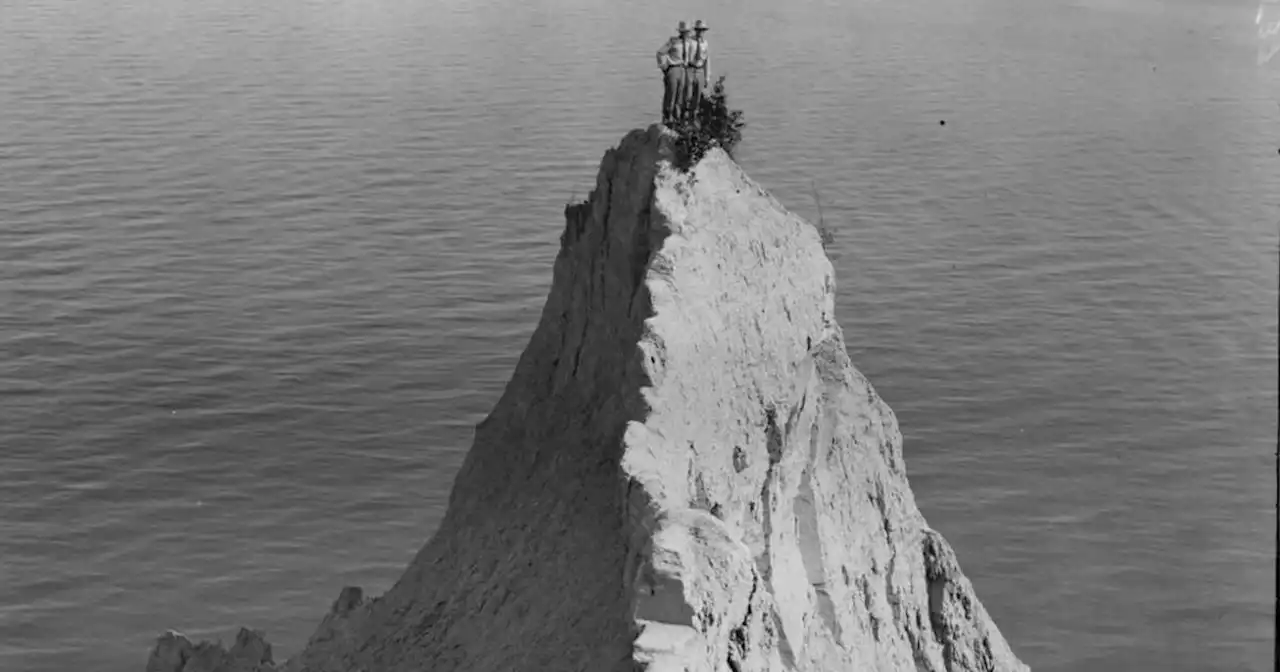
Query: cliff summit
685,473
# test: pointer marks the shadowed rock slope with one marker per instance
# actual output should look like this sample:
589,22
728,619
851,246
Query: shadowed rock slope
684,473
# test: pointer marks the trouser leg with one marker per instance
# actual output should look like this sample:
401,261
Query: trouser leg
695,88
666,97
678,79
671,82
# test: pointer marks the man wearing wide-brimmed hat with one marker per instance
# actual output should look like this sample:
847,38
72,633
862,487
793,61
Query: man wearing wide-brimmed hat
696,74
673,56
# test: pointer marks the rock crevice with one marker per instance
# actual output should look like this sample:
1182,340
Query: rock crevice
685,471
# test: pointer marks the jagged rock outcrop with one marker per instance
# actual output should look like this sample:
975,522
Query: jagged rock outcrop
173,652
684,473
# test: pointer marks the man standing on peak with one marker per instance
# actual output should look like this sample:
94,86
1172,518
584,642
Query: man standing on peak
672,58
697,72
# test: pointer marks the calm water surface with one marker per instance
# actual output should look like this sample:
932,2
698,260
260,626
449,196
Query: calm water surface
264,265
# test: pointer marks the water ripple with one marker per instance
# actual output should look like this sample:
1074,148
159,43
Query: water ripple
265,266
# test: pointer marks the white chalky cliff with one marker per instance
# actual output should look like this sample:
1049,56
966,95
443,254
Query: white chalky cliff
685,472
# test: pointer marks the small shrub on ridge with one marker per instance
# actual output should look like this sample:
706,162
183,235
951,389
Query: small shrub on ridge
714,125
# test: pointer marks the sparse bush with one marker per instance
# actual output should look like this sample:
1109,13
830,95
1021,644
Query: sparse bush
827,235
714,125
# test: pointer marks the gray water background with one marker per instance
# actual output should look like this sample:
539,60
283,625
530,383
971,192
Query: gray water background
263,265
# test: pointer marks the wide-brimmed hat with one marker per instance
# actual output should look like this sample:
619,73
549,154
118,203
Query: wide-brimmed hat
682,27
700,25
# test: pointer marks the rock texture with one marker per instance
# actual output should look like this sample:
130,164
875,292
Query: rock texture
173,652
684,473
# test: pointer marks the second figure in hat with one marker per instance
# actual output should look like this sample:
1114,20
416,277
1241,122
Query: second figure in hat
697,71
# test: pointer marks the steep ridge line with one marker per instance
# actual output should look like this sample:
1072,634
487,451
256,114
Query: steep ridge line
684,473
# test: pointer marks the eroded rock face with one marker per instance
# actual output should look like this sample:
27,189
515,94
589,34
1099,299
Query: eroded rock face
685,471
173,652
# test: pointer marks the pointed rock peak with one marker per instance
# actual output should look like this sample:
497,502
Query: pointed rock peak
685,471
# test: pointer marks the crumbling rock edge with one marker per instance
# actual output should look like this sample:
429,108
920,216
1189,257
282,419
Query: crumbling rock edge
685,473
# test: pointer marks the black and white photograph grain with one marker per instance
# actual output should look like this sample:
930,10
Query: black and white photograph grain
664,336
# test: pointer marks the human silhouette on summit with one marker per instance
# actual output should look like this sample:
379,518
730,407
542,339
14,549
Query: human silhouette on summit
673,61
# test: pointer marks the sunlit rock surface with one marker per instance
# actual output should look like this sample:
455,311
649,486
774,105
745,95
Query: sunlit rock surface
684,473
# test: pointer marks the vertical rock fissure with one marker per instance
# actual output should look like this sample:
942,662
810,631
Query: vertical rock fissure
774,445
576,217
808,536
936,589
640,251
763,562
738,636
594,272
937,576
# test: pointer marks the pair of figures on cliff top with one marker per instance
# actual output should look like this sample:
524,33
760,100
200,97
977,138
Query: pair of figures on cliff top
683,62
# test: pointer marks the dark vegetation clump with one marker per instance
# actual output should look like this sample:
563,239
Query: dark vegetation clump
714,125
828,236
